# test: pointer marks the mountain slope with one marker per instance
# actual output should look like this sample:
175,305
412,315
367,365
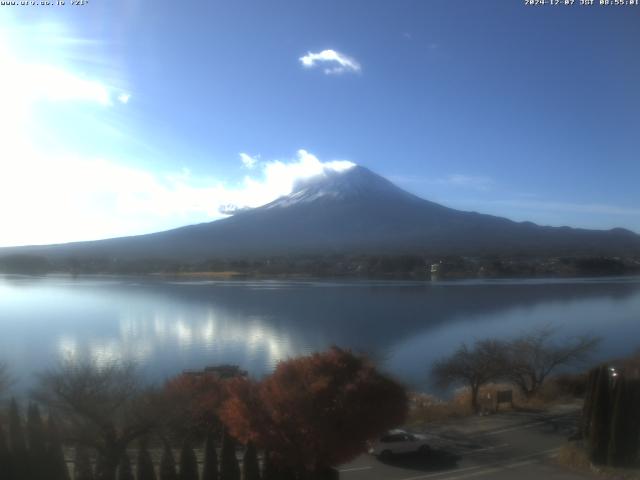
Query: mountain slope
353,211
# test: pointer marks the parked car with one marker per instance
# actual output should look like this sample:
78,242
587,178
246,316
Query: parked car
397,442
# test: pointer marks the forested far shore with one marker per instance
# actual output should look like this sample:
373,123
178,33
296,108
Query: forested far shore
419,267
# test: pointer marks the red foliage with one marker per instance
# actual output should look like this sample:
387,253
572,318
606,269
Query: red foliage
198,397
316,411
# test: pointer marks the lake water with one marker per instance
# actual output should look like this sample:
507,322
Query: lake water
168,326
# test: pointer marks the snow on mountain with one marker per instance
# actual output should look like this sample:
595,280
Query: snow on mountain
351,211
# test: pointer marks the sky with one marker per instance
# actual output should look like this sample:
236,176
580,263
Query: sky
128,117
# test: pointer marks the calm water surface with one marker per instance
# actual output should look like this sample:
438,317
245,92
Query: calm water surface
168,326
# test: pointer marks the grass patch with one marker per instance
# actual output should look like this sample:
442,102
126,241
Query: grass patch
427,409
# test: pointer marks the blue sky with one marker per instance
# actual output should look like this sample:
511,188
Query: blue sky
127,117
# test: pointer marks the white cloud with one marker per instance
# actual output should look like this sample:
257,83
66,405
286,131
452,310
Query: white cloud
56,195
248,161
22,85
334,62
279,178
29,79
47,199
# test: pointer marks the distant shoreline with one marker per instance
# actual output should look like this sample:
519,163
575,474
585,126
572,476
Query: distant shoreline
238,276
367,266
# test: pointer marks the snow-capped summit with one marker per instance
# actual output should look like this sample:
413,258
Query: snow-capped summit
332,185
351,210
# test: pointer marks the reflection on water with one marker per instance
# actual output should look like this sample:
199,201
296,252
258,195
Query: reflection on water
170,326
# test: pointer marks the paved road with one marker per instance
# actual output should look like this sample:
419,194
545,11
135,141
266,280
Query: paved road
503,446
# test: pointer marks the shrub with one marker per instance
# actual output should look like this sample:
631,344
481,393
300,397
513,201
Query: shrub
250,468
124,468
316,411
229,469
144,465
167,465
188,462
210,467
82,469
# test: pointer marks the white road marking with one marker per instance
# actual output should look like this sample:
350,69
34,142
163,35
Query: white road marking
478,450
354,469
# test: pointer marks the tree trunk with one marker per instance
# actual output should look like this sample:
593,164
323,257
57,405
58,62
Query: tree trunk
250,467
534,387
474,398
229,467
108,462
210,467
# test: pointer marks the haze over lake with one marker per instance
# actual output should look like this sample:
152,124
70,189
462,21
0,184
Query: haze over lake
168,326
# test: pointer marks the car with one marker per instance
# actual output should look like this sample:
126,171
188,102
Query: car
398,442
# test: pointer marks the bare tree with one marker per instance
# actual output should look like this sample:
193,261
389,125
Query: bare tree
101,407
534,355
472,367
5,379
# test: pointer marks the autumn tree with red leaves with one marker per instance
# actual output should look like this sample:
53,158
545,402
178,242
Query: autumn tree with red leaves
317,411
196,399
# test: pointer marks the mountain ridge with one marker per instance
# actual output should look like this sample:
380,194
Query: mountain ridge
350,211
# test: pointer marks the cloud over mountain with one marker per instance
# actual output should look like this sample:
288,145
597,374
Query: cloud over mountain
109,198
349,209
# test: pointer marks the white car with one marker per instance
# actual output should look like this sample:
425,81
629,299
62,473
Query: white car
399,441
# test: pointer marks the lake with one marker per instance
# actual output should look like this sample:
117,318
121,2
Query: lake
169,326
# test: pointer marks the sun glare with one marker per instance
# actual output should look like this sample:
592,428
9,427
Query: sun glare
52,192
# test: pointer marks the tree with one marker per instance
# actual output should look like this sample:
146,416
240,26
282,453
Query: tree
101,468
229,469
5,458
250,467
56,462
268,468
167,464
195,398
315,411
17,445
210,467
5,379
144,464
472,367
533,356
36,438
101,407
16,434
124,468
272,471
188,462
82,469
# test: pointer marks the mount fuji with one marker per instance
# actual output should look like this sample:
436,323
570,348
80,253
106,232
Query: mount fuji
350,211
